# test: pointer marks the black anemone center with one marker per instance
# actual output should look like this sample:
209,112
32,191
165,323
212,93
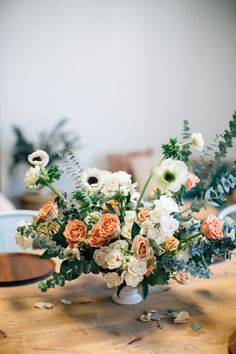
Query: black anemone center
169,176
92,180
37,158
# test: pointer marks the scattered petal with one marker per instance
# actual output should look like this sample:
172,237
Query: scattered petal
195,327
65,301
3,334
46,305
181,317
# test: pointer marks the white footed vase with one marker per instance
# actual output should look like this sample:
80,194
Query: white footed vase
127,296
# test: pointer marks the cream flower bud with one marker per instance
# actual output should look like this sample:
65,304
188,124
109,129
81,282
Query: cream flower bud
31,178
197,141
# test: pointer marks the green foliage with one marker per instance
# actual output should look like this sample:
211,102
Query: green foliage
185,151
22,147
144,288
171,150
135,230
110,208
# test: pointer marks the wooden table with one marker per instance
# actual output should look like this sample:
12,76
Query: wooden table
94,324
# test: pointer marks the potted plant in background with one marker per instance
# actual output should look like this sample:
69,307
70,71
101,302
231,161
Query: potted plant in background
57,141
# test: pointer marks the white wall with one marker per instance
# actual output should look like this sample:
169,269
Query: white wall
127,72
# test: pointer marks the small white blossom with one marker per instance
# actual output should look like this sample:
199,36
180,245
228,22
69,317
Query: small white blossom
110,187
39,158
99,257
122,178
197,141
134,272
92,179
114,258
166,204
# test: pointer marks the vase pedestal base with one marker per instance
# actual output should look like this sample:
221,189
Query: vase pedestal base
128,296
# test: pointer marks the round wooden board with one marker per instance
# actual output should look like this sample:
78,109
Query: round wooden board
21,268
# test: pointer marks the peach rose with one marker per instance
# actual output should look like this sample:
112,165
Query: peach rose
212,228
171,243
109,225
114,205
192,181
144,214
141,248
183,278
96,239
48,209
75,231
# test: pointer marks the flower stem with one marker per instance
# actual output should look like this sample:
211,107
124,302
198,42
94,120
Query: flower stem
190,238
56,191
143,190
94,217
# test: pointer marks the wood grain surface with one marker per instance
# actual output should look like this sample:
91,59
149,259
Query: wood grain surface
23,267
94,324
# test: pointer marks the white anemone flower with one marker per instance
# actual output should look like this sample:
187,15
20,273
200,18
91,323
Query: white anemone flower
31,178
197,141
170,175
39,158
92,179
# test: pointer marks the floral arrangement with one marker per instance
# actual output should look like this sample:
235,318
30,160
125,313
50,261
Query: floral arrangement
106,227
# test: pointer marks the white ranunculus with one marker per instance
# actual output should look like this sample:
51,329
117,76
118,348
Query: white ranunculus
156,235
99,257
113,279
131,279
39,158
197,141
110,187
114,258
130,216
92,179
31,178
166,204
122,178
126,229
170,175
119,245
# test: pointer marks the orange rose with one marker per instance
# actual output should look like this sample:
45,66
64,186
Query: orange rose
96,239
141,248
109,225
75,231
192,181
212,228
144,214
114,205
171,243
48,209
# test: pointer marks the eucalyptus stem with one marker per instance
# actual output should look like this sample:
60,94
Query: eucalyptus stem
143,190
190,238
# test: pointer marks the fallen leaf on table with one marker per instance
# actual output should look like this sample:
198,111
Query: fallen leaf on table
181,317
137,339
65,301
195,327
41,305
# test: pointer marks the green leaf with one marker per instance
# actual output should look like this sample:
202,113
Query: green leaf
195,327
135,230
158,277
110,208
144,288
196,206
119,288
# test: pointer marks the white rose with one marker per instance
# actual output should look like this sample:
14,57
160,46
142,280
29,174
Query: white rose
39,158
130,216
23,241
197,141
122,178
31,178
134,272
113,279
120,244
126,229
156,235
170,175
114,258
99,257
110,188
168,224
131,279
166,204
